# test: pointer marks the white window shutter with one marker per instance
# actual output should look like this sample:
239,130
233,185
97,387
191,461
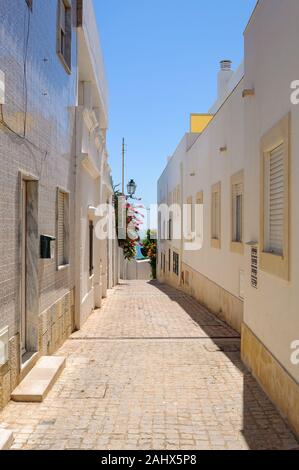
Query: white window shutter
276,200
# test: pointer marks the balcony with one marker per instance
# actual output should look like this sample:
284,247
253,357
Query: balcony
90,140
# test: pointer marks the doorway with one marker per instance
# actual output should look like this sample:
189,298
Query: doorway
29,255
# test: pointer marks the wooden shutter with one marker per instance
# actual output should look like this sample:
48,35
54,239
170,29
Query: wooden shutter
276,200
60,229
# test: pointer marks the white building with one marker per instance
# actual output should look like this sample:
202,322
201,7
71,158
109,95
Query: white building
54,173
96,260
236,172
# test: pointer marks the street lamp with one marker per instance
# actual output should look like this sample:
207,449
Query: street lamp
131,188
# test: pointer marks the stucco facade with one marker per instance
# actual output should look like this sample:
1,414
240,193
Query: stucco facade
41,142
238,276
93,174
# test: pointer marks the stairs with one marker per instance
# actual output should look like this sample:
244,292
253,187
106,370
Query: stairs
6,439
39,381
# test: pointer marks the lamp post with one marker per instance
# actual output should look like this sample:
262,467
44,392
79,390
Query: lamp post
131,189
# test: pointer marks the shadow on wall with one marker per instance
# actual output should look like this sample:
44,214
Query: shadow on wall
263,426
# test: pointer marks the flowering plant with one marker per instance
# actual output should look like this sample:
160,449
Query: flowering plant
149,250
130,239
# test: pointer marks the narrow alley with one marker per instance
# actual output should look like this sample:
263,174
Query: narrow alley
152,369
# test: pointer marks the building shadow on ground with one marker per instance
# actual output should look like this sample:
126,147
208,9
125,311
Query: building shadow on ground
263,426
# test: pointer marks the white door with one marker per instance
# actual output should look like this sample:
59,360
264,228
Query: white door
23,268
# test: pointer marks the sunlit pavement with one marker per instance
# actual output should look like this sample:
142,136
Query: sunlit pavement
152,369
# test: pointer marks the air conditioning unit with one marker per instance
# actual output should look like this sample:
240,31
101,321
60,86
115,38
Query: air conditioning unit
4,345
2,87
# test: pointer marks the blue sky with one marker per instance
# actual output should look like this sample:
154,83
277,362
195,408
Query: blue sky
162,59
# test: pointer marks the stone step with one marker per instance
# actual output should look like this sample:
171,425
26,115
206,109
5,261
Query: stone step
6,439
40,380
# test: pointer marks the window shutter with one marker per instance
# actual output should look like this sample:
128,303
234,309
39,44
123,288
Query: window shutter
60,229
237,211
215,215
276,200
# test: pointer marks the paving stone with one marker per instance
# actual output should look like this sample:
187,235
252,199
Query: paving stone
146,371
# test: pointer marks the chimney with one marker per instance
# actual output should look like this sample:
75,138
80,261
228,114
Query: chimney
224,75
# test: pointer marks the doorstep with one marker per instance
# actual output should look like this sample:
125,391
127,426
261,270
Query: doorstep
39,381
6,439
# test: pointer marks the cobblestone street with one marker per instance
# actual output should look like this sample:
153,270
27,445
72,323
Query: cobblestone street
152,369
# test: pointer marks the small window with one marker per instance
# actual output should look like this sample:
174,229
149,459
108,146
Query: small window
64,33
62,228
237,207
190,218
169,260
176,261
199,216
216,215
170,229
274,201
91,243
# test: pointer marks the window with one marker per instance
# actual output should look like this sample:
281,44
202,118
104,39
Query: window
91,237
274,197
159,225
237,182
62,228
274,206
170,229
176,261
199,217
216,215
169,260
64,33
190,218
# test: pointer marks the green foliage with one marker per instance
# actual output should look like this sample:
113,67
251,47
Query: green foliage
130,243
149,250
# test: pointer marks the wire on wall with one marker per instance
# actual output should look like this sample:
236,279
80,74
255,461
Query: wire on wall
3,122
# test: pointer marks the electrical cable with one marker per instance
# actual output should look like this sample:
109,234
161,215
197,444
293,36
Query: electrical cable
25,95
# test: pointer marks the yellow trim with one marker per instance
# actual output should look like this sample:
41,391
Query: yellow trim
280,386
270,262
198,122
237,247
199,197
216,243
